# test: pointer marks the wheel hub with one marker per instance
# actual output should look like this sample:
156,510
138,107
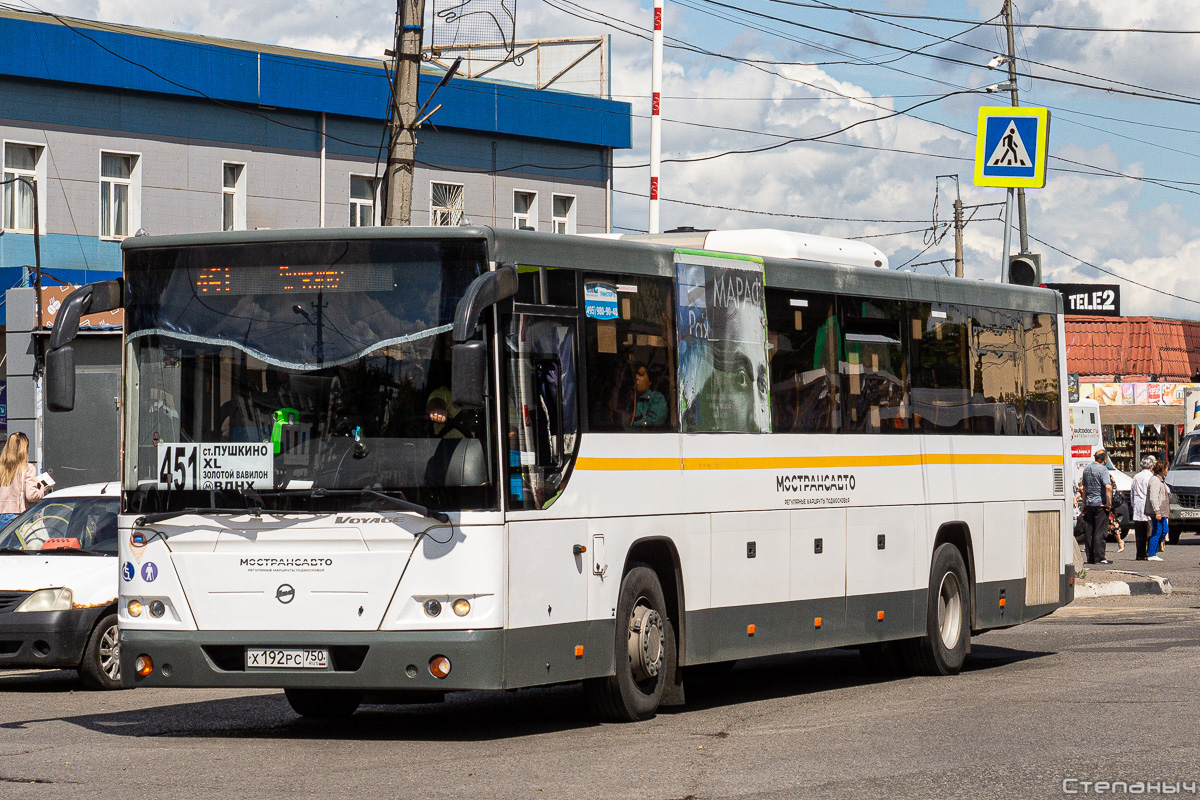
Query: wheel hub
647,642
950,611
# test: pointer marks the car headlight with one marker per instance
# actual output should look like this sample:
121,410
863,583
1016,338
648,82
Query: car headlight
48,600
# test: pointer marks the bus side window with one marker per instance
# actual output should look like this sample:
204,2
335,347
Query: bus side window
543,423
874,368
802,329
940,368
998,372
631,366
1043,415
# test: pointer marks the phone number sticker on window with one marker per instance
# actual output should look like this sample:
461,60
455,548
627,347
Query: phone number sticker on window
208,466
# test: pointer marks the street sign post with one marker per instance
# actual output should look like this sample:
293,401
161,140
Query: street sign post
1011,144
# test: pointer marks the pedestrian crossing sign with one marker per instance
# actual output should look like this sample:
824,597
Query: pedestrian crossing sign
1010,147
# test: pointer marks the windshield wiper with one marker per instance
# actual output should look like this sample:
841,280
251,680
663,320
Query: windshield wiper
16,551
73,551
150,519
399,502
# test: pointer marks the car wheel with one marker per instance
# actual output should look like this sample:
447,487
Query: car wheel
100,668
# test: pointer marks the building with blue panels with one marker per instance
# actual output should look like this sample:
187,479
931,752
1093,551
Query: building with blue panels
124,128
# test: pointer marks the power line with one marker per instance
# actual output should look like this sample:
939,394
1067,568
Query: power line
1114,274
1030,25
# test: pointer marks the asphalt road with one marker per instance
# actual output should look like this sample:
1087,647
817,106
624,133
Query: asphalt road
1103,690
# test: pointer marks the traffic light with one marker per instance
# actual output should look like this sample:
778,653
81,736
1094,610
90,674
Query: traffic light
1025,269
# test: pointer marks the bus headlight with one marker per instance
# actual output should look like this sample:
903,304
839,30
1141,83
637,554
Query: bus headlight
157,608
48,600
432,607
462,606
134,607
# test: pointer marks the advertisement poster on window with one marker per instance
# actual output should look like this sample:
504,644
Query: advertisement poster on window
723,363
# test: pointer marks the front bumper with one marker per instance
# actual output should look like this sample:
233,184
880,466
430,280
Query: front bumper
380,660
50,639
1184,518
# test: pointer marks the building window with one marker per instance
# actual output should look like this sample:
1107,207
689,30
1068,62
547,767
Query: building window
445,203
118,200
233,197
363,205
20,161
564,214
525,210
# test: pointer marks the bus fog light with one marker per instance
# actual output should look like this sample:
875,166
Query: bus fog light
134,607
144,665
462,607
432,607
157,608
439,666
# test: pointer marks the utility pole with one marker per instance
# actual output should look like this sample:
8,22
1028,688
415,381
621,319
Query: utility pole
1022,222
958,235
402,146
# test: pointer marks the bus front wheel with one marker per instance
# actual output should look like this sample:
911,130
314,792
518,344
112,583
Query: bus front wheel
644,653
943,648
323,703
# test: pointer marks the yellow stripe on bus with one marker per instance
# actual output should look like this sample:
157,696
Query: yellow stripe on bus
809,462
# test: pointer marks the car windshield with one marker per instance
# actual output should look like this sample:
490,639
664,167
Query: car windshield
1188,454
65,525
289,375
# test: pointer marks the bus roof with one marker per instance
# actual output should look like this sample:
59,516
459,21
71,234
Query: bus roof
626,255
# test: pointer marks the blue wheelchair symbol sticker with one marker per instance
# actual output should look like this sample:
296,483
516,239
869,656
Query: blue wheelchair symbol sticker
127,571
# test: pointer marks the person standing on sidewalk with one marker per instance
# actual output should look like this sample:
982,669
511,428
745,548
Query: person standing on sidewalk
1158,504
1137,499
1097,500
18,478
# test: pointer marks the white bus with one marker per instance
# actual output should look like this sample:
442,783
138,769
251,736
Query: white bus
413,460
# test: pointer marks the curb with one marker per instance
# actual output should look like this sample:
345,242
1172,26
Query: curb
1149,584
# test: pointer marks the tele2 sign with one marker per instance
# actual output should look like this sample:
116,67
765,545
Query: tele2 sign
1011,145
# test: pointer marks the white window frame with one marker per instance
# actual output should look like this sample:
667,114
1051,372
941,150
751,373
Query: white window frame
39,176
567,222
434,211
376,199
239,195
135,193
530,218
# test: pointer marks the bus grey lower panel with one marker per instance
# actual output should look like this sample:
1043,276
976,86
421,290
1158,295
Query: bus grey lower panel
380,659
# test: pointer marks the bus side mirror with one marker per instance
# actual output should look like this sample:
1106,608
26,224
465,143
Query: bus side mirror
60,379
468,374
94,298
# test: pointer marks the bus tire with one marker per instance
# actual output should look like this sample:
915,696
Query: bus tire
323,703
943,648
100,668
644,652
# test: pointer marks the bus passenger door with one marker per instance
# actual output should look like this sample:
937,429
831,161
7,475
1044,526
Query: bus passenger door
548,564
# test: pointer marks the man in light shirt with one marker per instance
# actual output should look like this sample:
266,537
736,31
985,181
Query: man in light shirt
1137,499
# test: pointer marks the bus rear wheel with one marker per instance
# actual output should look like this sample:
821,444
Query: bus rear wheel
644,654
943,648
323,703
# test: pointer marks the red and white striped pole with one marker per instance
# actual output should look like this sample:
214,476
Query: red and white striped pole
655,118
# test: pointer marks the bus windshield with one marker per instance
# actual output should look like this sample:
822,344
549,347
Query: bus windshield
288,376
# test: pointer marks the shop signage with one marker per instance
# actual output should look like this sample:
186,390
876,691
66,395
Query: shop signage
1091,299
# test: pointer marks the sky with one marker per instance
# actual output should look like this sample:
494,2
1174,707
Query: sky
1122,198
